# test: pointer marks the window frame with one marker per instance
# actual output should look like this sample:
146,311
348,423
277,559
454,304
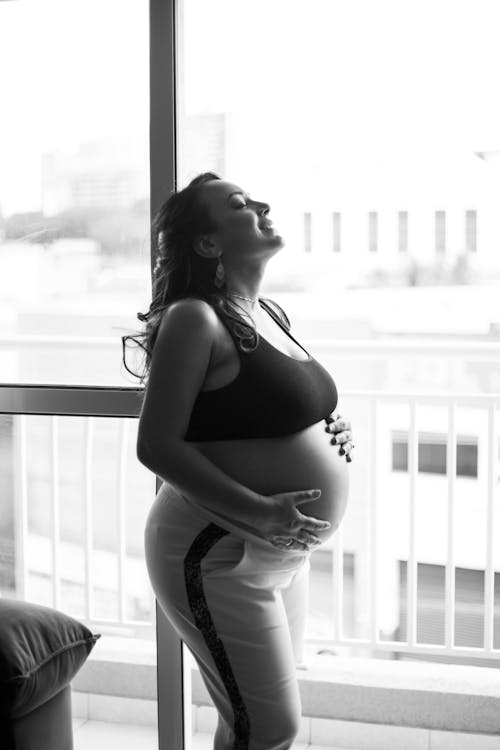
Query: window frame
103,401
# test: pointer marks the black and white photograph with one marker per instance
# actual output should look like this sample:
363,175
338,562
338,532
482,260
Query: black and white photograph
249,375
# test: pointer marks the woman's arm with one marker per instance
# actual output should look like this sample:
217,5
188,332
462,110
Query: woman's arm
193,474
180,360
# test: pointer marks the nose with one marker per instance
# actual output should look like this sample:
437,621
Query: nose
264,209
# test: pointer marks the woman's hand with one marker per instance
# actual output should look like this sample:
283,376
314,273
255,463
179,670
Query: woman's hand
342,434
285,526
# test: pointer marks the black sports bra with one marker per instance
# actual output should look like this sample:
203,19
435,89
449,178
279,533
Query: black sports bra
273,394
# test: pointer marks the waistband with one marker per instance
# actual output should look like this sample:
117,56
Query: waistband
170,494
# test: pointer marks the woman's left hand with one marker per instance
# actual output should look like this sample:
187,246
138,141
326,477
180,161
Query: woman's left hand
341,429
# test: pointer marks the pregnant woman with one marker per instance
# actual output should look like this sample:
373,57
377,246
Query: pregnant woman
233,421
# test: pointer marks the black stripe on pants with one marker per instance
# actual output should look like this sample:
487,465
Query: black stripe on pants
203,620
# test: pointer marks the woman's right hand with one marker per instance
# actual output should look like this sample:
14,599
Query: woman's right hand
285,526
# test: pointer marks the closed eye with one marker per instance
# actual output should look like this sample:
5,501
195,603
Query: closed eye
244,205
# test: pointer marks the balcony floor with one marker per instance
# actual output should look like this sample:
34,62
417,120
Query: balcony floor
103,735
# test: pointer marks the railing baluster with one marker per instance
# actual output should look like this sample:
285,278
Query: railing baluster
122,472
87,482
411,567
489,573
338,580
55,507
451,471
20,508
373,519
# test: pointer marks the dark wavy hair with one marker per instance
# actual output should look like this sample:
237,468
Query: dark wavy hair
182,272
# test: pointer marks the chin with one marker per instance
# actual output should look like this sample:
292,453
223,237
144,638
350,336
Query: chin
277,246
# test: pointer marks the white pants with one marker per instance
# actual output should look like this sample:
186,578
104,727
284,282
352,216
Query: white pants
240,606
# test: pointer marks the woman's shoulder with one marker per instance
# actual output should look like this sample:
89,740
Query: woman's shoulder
198,306
189,311
190,304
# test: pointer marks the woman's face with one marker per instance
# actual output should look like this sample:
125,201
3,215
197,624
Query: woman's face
243,222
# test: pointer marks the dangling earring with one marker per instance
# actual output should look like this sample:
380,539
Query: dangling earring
219,274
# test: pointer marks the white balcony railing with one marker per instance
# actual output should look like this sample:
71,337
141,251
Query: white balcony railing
483,404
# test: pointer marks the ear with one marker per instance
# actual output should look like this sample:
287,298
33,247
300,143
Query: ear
204,246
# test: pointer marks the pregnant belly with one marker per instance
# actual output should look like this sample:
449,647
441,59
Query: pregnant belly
302,461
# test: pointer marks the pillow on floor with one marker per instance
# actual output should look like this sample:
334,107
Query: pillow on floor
41,650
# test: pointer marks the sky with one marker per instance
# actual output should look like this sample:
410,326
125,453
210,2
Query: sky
387,76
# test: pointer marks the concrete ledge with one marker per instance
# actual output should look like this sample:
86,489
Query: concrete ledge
445,697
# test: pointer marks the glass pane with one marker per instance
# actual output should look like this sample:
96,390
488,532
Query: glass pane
73,507
74,187
384,187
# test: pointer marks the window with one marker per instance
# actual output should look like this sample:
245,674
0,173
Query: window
471,231
74,187
440,231
307,232
432,454
372,231
403,231
336,216
469,609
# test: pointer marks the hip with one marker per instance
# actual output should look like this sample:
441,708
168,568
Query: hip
175,523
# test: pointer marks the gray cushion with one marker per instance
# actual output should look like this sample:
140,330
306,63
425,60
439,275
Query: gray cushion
41,650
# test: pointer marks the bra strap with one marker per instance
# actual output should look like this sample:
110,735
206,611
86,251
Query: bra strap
272,313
